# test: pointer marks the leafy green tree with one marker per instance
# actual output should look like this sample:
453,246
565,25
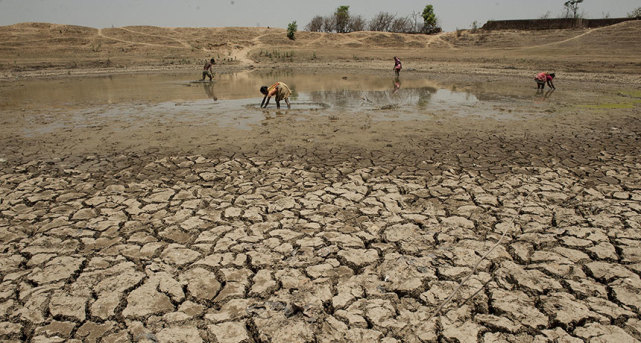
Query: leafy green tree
430,22
342,19
291,30
429,18
572,7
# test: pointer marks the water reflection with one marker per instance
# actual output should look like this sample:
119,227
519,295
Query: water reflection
141,98
159,88
397,85
209,90
410,98
542,96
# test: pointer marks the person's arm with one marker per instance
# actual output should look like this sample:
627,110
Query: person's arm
270,94
267,97
550,84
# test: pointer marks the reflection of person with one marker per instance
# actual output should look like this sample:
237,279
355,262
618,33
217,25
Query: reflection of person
397,85
397,66
543,78
207,70
279,90
546,95
209,90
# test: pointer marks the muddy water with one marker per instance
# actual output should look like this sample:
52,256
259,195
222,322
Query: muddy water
232,100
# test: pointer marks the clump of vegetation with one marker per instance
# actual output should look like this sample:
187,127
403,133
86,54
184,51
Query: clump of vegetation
315,25
291,30
342,22
277,54
635,14
429,19
95,46
572,8
342,19
475,27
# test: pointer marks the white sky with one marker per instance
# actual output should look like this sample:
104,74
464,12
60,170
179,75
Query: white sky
452,14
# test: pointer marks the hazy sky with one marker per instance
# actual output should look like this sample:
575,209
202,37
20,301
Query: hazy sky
452,14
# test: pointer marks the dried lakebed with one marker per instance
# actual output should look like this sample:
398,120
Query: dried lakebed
251,250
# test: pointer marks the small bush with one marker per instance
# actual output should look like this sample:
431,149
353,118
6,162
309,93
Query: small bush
291,30
475,27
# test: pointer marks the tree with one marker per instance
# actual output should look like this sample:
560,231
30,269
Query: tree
414,17
291,30
381,22
342,19
329,24
572,6
315,25
429,18
635,14
430,22
356,23
402,25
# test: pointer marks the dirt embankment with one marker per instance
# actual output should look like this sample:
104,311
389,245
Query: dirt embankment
41,49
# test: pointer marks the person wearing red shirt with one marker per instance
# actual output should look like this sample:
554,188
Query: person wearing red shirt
543,78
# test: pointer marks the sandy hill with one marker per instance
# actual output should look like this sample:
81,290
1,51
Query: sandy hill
32,46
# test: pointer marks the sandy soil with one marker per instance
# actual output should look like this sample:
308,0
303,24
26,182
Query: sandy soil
335,228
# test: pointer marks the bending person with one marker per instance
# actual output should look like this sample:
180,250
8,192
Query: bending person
279,90
543,78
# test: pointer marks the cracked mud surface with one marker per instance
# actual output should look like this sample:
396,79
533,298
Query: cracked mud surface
501,232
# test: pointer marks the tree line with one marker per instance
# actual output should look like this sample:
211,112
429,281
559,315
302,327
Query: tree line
341,21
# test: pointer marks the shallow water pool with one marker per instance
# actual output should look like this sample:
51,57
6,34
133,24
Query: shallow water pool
233,99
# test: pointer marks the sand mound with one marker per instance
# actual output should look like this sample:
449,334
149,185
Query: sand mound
64,45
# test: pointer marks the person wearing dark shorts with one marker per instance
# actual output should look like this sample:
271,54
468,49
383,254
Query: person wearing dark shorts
543,78
207,70
397,66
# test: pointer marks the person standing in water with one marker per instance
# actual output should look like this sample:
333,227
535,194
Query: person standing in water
207,70
397,66
543,78
279,90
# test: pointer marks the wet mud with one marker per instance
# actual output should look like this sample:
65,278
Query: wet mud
442,210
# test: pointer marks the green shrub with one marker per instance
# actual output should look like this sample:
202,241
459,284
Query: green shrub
291,30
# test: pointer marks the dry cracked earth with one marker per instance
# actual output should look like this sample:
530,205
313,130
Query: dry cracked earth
247,249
